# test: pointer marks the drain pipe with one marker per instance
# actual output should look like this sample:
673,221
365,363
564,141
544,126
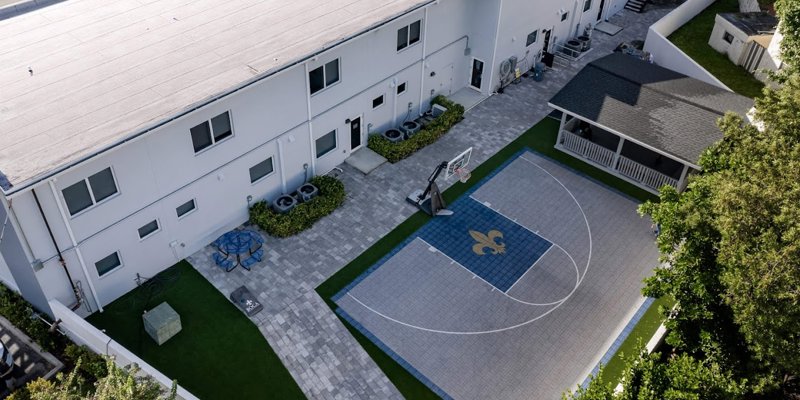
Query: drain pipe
78,299
75,244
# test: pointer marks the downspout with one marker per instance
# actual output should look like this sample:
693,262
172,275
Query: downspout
312,146
422,62
75,245
75,291
494,51
280,164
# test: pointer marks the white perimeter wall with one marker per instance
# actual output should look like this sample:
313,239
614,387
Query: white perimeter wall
5,274
84,333
670,56
160,171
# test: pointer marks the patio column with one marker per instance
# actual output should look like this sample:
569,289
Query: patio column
561,127
682,180
616,155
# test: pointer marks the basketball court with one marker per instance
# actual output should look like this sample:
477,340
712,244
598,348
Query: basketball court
518,293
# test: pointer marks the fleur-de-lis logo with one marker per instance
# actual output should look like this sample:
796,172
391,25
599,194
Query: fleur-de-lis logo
489,241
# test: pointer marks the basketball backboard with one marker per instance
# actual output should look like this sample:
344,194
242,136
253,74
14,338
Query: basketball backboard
459,161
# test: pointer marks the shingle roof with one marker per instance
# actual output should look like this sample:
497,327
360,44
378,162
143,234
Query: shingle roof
649,104
105,71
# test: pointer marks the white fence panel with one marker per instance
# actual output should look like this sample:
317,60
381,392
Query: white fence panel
647,176
670,56
83,332
587,149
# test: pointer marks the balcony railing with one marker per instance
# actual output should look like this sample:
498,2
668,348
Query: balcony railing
587,149
647,176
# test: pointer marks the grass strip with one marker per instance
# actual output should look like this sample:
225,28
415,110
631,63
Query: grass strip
218,354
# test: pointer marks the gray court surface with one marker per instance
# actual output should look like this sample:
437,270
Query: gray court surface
469,340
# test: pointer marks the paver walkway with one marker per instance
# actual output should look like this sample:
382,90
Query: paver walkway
322,356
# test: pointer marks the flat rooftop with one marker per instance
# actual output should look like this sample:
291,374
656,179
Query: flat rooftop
105,71
752,23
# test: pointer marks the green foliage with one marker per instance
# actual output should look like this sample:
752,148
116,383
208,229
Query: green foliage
682,377
116,384
304,215
20,313
732,241
92,365
395,152
789,14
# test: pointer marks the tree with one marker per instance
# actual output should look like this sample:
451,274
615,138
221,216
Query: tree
117,384
789,14
680,378
732,241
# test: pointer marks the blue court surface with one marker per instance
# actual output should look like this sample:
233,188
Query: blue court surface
515,295
490,245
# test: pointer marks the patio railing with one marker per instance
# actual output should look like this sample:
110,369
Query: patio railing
587,149
646,175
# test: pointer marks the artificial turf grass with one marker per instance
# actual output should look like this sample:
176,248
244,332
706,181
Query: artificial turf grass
692,39
218,354
540,138
641,333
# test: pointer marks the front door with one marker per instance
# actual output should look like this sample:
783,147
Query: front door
546,41
476,79
355,133
600,11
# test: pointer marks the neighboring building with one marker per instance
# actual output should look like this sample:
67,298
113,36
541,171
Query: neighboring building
643,123
747,40
135,133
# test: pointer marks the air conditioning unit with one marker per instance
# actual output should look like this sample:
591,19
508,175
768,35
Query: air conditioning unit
508,70
307,192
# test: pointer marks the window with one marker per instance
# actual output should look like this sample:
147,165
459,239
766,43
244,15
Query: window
261,170
207,133
727,37
531,38
326,143
90,191
108,264
564,16
323,76
148,229
408,35
185,208
587,4
401,88
377,102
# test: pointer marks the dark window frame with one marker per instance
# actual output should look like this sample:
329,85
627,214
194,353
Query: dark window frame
529,41
587,5
329,150
205,131
256,179
378,101
188,211
727,37
409,35
91,191
401,88
148,233
325,70
564,16
106,271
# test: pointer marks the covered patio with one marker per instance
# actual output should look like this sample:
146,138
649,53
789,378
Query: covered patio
641,122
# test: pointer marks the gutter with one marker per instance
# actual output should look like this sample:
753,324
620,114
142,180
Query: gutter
14,190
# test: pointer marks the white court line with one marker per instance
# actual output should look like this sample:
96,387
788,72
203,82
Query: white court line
588,262
530,268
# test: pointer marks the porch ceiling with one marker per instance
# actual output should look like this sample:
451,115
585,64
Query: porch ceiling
657,107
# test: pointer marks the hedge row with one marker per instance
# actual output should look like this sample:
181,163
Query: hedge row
395,152
23,316
304,215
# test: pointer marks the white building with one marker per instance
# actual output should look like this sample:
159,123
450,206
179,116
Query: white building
749,40
133,133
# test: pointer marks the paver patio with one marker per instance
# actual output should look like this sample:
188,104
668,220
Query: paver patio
315,346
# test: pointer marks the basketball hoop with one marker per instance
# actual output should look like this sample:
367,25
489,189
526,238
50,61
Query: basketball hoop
463,174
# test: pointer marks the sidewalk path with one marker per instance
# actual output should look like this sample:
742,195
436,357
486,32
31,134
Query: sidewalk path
322,356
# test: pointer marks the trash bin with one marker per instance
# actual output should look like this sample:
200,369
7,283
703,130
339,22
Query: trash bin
538,72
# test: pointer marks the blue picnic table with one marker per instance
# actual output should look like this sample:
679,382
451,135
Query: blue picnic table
239,247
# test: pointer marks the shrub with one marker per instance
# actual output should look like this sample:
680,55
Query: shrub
395,152
92,366
22,315
331,196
